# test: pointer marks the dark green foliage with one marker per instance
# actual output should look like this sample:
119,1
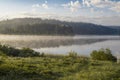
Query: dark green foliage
36,26
10,51
2,54
24,52
87,28
103,54
72,54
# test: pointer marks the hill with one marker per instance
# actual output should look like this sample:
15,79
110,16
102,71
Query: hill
37,26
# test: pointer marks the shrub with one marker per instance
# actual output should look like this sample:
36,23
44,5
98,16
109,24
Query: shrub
27,52
72,54
103,54
2,54
24,52
10,51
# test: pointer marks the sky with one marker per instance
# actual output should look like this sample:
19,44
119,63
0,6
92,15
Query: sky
103,12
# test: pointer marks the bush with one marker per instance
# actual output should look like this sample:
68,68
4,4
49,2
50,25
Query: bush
24,52
72,54
2,54
27,52
103,54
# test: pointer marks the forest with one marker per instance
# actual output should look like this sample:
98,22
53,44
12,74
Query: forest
38,26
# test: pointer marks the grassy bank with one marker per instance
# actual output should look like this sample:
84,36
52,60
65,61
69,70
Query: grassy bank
27,64
57,68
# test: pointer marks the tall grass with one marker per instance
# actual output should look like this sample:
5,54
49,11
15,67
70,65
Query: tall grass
57,68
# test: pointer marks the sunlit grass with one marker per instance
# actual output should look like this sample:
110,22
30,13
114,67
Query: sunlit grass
57,68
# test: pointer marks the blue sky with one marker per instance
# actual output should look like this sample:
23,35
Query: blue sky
105,12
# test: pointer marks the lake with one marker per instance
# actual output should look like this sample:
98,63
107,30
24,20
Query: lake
82,44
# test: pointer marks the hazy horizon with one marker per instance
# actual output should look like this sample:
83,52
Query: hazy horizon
102,12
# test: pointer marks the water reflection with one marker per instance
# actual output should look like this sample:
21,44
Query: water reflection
85,49
51,41
63,44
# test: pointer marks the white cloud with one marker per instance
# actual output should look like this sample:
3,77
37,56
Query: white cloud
86,3
107,4
95,1
104,4
116,7
35,5
98,3
73,6
44,5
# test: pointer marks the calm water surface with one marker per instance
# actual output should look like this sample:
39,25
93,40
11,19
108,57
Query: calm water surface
63,44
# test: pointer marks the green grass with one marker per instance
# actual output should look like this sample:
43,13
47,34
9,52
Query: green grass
57,68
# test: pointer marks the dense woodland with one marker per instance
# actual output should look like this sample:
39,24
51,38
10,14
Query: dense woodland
37,26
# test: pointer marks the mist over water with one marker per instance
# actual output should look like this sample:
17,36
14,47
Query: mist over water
63,44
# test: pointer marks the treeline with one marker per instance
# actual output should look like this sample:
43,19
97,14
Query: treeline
37,26
37,29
